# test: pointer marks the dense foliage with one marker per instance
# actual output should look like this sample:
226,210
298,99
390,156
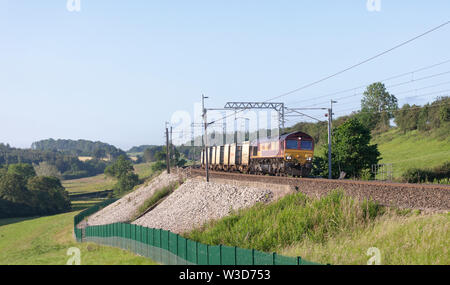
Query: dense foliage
439,174
175,159
142,148
122,169
22,193
351,153
423,118
79,148
69,166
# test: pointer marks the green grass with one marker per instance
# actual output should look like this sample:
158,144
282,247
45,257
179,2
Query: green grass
45,241
334,229
407,240
155,198
89,184
289,220
144,170
413,149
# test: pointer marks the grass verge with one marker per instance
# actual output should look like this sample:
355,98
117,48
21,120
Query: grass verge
334,229
155,198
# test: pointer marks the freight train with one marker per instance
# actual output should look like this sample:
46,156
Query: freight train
289,154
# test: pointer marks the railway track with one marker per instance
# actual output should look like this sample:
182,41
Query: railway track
404,195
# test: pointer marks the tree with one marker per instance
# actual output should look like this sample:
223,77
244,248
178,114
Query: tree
46,169
99,153
24,170
48,195
148,155
126,183
13,188
120,167
379,106
351,151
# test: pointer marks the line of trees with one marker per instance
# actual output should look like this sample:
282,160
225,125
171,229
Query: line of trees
68,166
79,148
423,118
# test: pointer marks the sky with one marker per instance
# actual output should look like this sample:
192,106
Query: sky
116,71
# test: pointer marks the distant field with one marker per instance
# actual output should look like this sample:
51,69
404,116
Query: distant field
45,241
412,149
89,184
143,170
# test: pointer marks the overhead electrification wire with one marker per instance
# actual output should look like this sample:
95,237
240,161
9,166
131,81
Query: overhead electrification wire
349,68
390,86
415,96
361,63
382,80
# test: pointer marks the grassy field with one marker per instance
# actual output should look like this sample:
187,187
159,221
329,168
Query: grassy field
334,229
413,149
89,184
144,170
102,182
45,241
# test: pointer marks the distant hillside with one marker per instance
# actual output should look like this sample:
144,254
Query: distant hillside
79,148
413,149
141,148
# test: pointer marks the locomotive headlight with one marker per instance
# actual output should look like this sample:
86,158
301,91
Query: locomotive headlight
309,158
288,157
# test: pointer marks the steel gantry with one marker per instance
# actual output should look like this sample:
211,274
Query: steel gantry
279,107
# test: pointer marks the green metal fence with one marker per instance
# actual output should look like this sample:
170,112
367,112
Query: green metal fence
168,248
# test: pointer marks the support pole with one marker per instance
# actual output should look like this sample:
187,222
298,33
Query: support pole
167,150
329,143
206,155
330,136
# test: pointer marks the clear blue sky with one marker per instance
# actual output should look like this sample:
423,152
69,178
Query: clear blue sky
117,70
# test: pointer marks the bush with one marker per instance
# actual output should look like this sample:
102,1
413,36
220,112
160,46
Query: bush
159,165
126,182
418,175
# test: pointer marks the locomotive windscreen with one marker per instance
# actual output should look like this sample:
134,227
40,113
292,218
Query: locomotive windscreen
306,145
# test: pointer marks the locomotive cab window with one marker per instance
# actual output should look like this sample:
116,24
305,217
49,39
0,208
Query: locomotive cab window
306,145
292,144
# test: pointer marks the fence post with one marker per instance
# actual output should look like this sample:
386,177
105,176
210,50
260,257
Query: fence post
220,254
253,257
273,258
299,260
